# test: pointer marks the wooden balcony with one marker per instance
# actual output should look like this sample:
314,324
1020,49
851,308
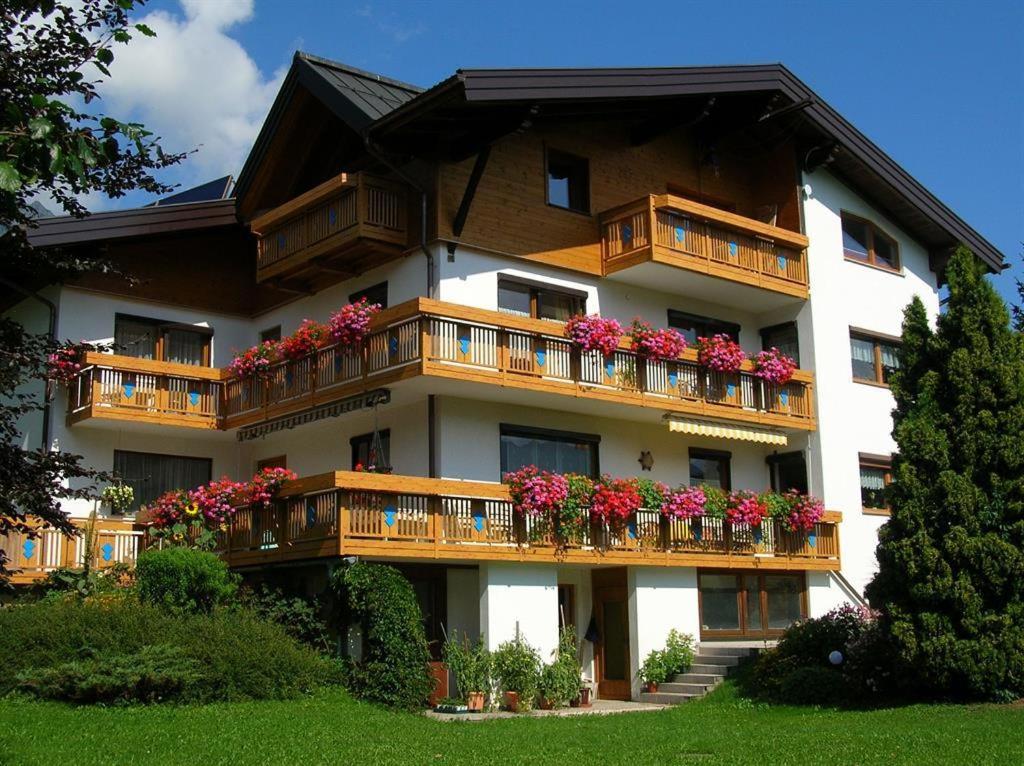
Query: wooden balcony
475,346
31,558
334,231
673,231
113,387
406,517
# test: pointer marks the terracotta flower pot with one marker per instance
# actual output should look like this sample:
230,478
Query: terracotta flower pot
584,698
512,702
652,687
475,702
546,704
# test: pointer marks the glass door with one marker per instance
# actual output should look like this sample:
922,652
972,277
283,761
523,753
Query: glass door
748,605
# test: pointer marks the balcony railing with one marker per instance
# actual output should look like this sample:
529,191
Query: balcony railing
677,232
474,345
346,513
165,393
361,213
31,558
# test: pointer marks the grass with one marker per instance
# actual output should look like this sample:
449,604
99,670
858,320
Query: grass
332,728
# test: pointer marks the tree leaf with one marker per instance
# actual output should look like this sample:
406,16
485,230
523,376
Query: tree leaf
145,30
10,178
39,127
56,159
105,55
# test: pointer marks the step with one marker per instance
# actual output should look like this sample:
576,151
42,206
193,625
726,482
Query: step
709,650
710,669
674,687
716,659
664,698
706,679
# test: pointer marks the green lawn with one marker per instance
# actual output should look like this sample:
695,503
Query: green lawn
332,728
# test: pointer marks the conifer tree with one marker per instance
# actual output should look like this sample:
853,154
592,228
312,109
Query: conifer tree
951,558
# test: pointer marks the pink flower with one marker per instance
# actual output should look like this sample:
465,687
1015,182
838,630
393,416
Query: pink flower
594,333
254,362
615,500
663,344
64,364
805,511
745,508
350,325
536,493
774,367
720,353
685,503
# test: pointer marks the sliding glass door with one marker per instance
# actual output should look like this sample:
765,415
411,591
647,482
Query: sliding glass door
750,605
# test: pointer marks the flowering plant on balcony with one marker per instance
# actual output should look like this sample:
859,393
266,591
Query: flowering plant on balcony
664,344
615,500
536,493
720,353
684,503
264,486
64,364
652,493
254,362
594,333
573,515
803,512
350,325
216,500
304,341
772,366
744,507
118,496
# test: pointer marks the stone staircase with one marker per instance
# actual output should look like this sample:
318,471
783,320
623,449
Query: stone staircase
710,667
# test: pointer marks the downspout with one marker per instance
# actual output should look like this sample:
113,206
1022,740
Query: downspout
377,154
52,334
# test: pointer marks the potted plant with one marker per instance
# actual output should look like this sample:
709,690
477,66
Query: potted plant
350,325
664,344
720,353
774,367
560,680
615,501
654,671
471,666
304,341
517,670
254,362
572,515
119,497
583,700
594,333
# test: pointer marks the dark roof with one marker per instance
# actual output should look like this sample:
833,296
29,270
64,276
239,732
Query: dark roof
118,224
357,97
859,160
219,188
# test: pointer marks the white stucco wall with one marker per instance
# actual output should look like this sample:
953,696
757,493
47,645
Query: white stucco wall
853,417
520,596
463,599
660,599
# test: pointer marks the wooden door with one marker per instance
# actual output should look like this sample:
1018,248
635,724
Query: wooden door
611,650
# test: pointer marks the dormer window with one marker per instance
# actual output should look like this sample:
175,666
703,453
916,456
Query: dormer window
866,243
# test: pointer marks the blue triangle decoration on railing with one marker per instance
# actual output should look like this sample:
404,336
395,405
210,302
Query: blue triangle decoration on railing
129,390
758,534
784,398
698,530
337,362
673,379
680,234
332,216
393,346
631,530
542,356
310,515
108,551
28,548
782,262
730,389
734,249
389,515
464,344
609,369
288,377
281,240
193,398
812,540
627,233
478,519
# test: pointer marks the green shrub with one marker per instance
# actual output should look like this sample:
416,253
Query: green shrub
241,655
655,668
158,673
662,665
84,582
184,580
517,669
559,681
298,616
469,663
815,686
394,669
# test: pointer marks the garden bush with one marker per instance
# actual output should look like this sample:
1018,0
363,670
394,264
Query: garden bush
240,655
299,617
559,682
394,668
470,664
184,580
517,669
813,685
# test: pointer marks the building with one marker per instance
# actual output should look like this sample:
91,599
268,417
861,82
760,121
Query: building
482,213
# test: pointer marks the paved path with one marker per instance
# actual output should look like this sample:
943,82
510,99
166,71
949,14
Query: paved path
599,707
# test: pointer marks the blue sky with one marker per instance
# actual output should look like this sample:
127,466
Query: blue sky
938,85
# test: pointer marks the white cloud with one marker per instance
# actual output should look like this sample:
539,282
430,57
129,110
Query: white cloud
194,85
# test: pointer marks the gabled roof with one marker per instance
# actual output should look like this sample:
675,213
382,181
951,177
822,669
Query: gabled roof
357,97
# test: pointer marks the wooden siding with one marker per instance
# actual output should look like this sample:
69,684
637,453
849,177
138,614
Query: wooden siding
510,214
31,558
405,517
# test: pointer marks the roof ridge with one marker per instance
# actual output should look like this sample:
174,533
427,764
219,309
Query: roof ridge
357,72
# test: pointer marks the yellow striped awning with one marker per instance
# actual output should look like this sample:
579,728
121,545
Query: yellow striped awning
685,425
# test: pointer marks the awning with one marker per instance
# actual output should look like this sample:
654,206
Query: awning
361,401
685,425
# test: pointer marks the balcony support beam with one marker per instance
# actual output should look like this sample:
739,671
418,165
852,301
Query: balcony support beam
467,196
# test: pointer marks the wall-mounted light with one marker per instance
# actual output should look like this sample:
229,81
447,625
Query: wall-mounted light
646,460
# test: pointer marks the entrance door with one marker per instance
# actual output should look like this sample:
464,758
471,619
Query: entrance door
750,605
611,650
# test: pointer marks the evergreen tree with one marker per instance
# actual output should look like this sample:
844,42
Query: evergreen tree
951,558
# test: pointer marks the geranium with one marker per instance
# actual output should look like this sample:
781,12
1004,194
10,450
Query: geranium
216,501
572,515
265,485
350,325
171,508
64,364
663,344
720,353
804,511
684,503
745,508
254,362
652,493
772,366
304,341
536,493
615,500
594,333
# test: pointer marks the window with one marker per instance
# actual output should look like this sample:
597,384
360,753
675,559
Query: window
271,333
693,326
710,467
150,475
874,358
362,447
538,301
788,471
558,451
735,605
875,476
376,294
278,461
568,181
144,338
784,338
866,243
566,606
